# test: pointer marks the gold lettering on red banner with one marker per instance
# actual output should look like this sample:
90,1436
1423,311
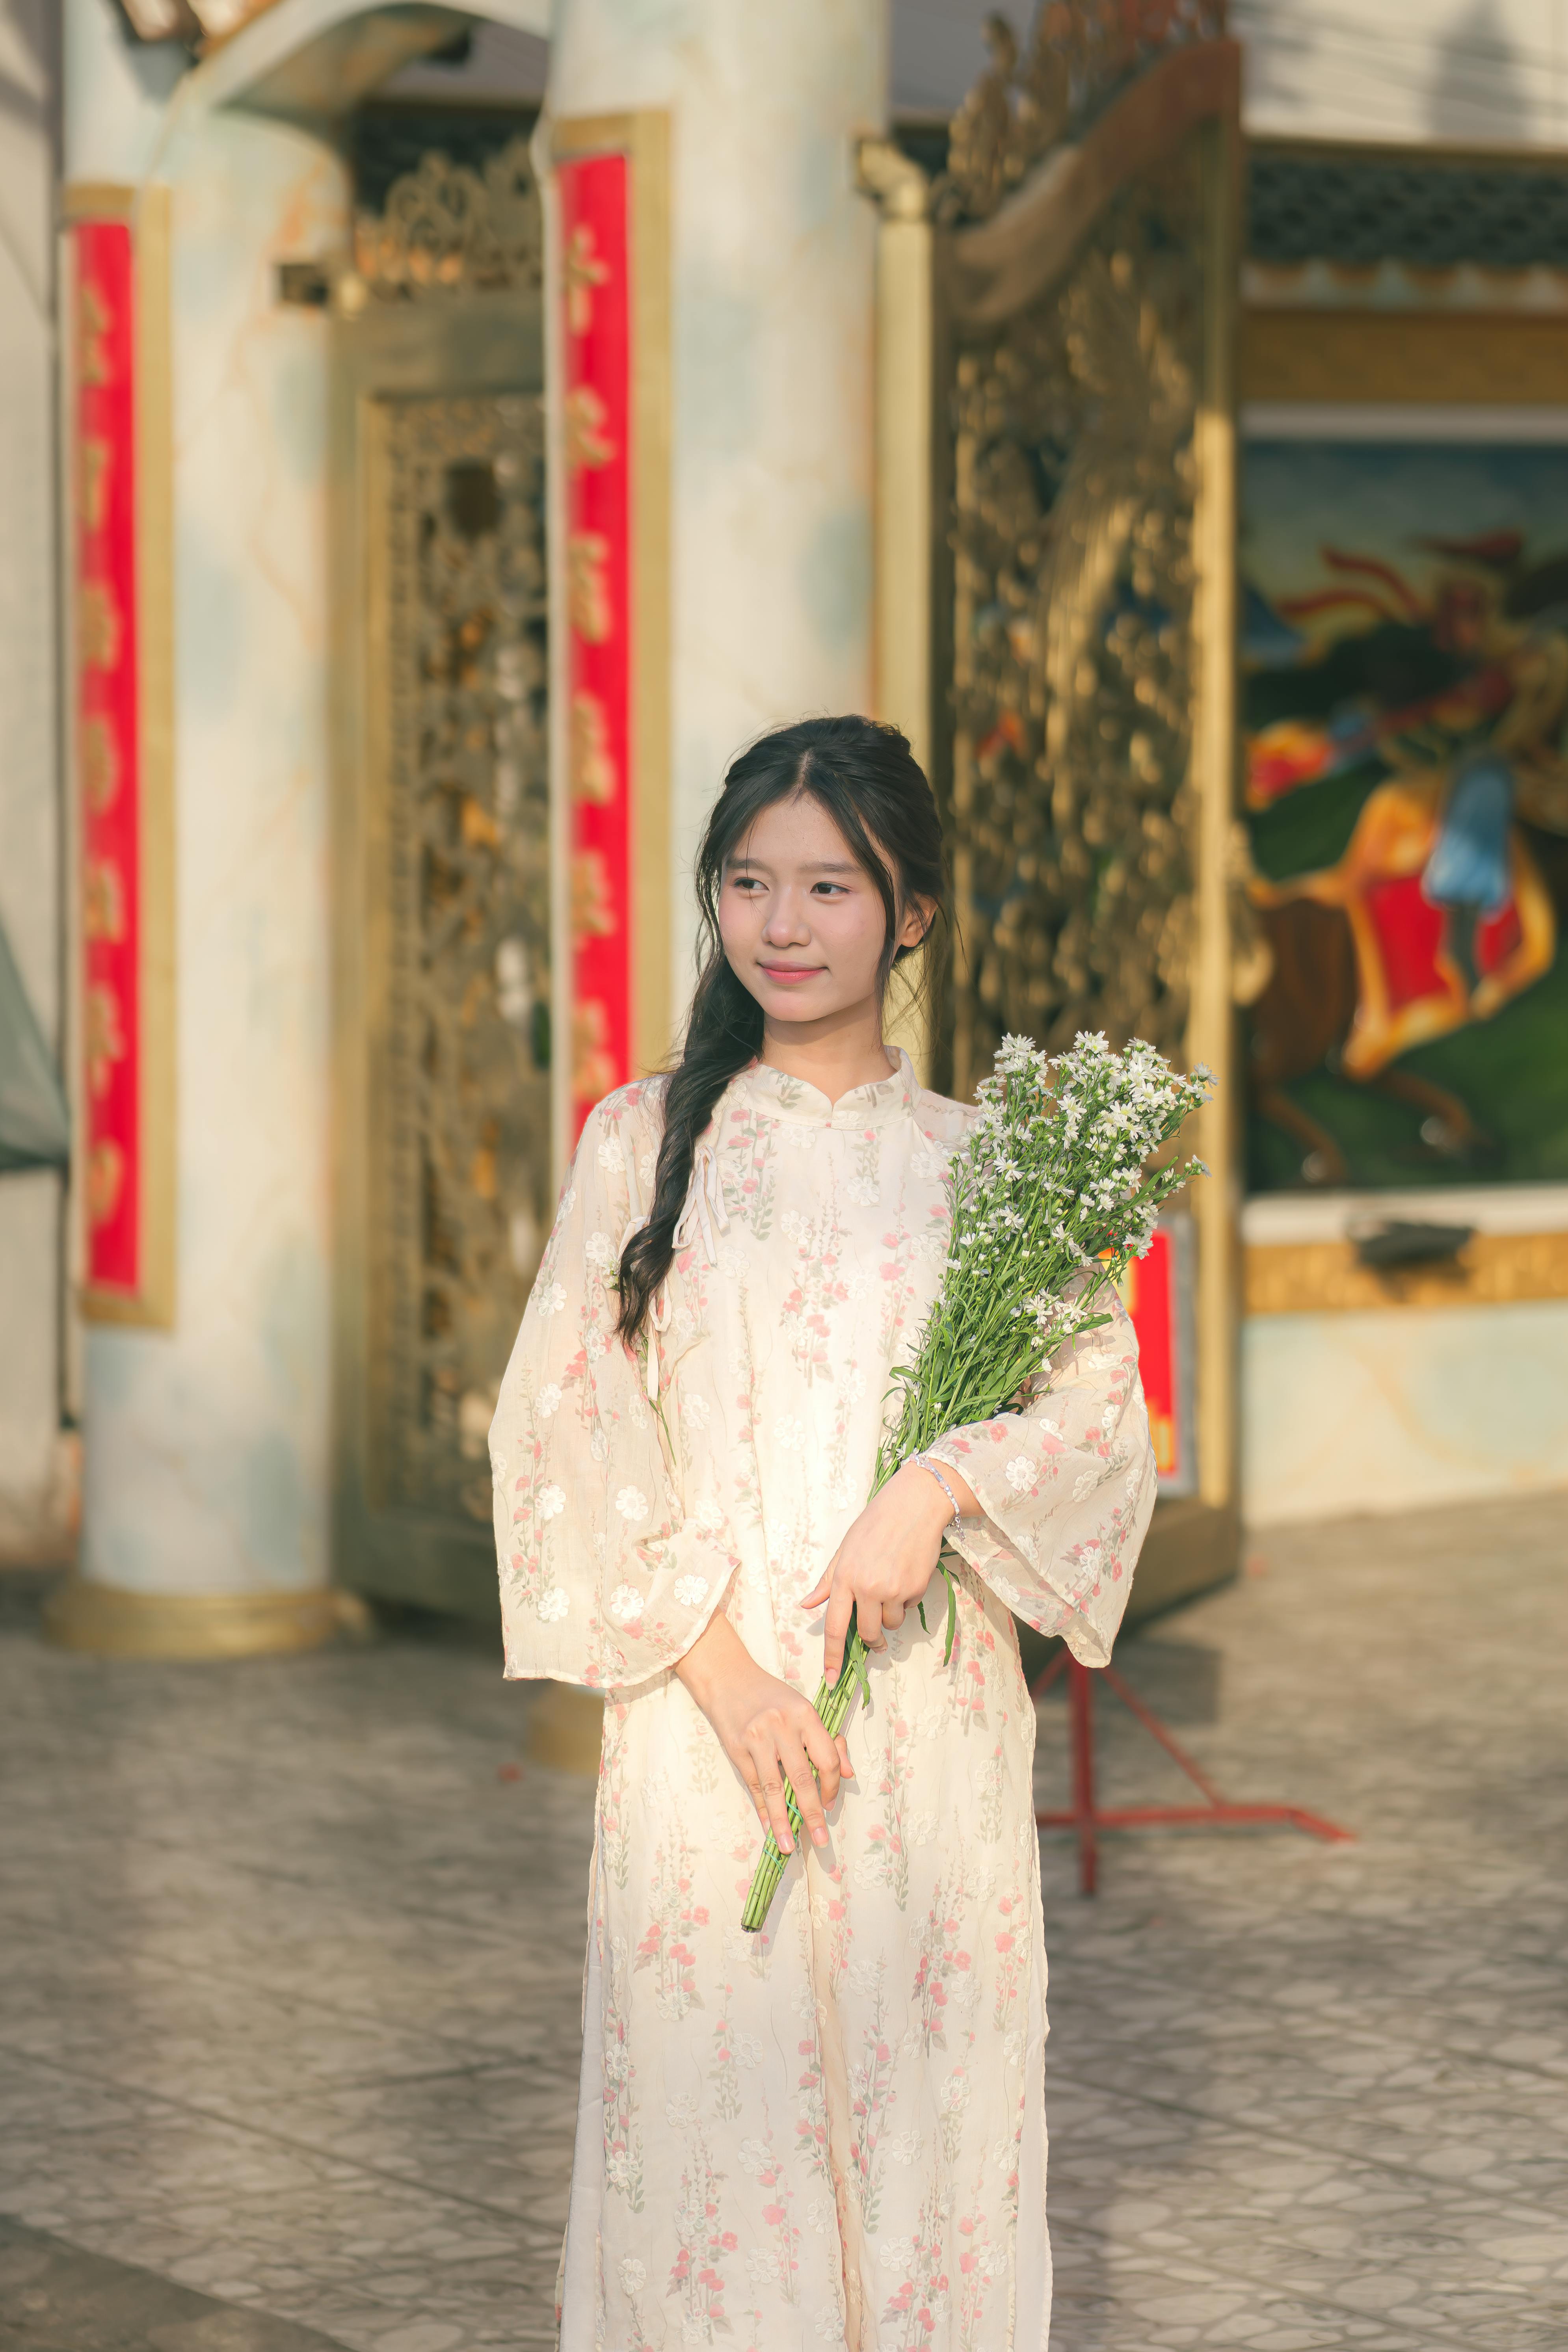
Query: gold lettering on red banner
94,319
100,765
103,901
95,459
105,1181
106,1042
592,769
588,587
587,443
592,900
99,626
594,1070
585,271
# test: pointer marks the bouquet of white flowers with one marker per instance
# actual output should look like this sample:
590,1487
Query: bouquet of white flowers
1052,1196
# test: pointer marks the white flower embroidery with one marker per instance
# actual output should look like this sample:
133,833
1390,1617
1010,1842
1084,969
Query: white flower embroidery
755,2157
553,1605
1086,1482
547,1402
599,1250
697,1411
552,1502
609,1155
708,1515
550,1298
791,1435
633,2276
691,1592
1020,1473
625,1603
904,2147
632,1503
596,1347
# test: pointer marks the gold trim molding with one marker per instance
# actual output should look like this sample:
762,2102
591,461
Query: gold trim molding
112,1622
1328,1279
1488,358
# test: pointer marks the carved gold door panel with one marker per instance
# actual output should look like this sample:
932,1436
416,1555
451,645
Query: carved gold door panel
445,955
1079,552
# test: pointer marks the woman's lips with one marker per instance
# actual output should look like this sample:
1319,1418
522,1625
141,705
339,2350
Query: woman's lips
789,975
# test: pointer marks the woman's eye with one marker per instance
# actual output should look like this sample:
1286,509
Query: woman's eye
829,889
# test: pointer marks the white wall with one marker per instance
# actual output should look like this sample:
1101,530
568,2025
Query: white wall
32,1502
1478,72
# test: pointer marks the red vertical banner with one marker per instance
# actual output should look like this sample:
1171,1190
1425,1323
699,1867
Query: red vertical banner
1157,1293
121,716
108,737
596,328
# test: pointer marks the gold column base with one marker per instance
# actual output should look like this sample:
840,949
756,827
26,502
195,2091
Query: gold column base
115,1623
565,1730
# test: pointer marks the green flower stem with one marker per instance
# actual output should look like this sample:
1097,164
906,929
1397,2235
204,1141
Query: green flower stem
833,1706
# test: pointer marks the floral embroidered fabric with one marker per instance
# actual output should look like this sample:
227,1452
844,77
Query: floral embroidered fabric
833,2132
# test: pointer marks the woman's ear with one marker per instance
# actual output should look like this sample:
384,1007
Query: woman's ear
919,916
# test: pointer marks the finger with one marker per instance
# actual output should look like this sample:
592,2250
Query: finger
823,1749
847,1769
773,1796
869,1617
836,1631
797,1764
753,1786
822,1588
892,1614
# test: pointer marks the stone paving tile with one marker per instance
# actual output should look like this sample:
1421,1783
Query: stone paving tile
290,2005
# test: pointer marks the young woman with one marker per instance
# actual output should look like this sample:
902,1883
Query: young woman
832,2133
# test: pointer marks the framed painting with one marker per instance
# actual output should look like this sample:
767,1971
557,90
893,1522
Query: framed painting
1404,780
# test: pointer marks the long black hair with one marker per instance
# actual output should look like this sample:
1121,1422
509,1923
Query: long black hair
864,777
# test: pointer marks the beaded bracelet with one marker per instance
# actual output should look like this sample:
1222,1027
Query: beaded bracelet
935,1468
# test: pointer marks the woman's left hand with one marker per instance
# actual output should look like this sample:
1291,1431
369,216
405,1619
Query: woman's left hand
887,1559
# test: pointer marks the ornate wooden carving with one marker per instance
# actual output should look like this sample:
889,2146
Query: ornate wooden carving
447,228
1074,664
463,1189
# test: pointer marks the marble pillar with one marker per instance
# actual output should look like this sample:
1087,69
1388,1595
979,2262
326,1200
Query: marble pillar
36,1475
208,1444
773,265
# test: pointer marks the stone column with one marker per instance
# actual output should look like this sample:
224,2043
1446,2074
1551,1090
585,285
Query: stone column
208,1444
773,267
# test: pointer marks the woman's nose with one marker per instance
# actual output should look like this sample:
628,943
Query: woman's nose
786,923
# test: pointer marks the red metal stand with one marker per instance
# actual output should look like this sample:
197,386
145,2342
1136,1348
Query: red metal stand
1085,1815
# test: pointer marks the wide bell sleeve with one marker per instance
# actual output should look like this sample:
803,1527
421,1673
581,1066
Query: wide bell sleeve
1066,1489
605,1579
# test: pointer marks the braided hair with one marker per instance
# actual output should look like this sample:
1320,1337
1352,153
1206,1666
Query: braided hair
864,777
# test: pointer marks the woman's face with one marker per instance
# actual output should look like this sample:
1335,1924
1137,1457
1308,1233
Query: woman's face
803,924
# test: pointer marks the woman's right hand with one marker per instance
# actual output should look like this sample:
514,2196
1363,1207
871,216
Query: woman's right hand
768,1732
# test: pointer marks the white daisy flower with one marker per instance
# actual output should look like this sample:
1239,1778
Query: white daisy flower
632,1503
626,1603
551,1501
633,2276
550,1298
553,1605
1020,1473
547,1402
691,1592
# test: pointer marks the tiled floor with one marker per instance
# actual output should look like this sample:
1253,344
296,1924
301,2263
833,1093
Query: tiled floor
290,1956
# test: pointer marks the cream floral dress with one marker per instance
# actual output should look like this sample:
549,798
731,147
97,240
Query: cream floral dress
832,2133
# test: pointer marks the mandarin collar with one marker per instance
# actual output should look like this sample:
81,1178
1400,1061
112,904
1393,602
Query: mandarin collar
777,1096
